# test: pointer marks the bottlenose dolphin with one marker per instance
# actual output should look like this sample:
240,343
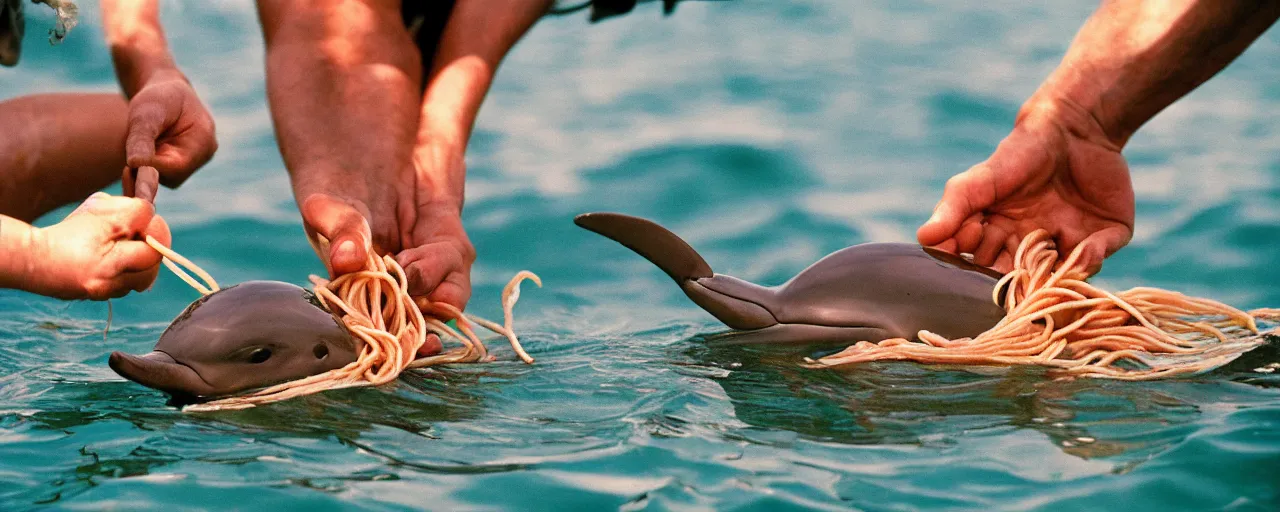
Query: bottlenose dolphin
867,292
247,336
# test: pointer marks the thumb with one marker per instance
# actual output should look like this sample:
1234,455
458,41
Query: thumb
344,226
962,197
147,120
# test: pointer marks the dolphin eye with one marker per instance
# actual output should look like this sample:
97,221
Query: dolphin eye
320,351
260,355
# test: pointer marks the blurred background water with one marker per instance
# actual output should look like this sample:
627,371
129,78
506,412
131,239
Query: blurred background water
767,133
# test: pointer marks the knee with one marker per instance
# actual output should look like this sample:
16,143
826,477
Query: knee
340,32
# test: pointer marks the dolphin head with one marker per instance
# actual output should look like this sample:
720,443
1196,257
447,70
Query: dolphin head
247,336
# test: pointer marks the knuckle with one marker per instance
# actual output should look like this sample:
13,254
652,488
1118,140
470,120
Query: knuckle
98,289
467,252
147,112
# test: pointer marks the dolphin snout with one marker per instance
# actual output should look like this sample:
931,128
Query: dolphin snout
160,371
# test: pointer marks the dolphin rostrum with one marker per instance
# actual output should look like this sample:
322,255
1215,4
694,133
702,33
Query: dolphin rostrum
247,336
867,292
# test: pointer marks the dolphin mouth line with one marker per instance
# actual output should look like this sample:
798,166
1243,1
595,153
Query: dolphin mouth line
193,370
190,398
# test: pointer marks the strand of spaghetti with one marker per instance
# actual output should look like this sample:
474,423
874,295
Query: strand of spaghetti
186,277
375,306
1056,319
170,257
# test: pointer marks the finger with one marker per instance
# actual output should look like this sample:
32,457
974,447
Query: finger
455,290
948,245
180,159
139,281
134,214
431,347
127,179
146,184
1004,262
439,272
147,120
134,256
1100,245
962,197
994,238
970,235
159,230
427,266
91,204
128,217
344,226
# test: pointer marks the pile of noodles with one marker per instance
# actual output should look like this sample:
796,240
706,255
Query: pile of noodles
375,306
1056,319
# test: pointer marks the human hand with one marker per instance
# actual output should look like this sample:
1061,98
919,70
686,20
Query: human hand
438,255
1051,173
97,252
373,211
169,129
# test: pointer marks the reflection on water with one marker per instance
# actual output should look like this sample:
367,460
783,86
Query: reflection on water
905,403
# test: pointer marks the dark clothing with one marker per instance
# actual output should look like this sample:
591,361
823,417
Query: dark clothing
601,9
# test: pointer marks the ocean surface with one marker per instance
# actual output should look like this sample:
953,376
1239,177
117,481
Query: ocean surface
768,134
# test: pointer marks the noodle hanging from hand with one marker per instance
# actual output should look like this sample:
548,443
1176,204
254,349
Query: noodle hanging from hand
1056,319
375,306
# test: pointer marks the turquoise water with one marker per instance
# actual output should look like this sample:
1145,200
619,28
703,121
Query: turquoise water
768,134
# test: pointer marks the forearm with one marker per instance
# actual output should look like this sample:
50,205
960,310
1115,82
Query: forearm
17,245
478,36
1133,58
58,149
138,46
342,89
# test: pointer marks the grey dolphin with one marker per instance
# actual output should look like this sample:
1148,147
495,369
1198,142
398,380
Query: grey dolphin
247,336
868,292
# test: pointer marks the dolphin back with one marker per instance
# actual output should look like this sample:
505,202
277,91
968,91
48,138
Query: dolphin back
737,303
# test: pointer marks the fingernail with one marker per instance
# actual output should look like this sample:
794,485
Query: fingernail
346,250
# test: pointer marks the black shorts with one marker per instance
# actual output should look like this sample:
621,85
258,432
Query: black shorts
425,19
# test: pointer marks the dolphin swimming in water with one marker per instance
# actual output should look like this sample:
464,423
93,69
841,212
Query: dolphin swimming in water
867,292
247,336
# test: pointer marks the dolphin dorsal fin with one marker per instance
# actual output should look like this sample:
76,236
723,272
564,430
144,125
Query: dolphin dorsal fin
737,303
661,247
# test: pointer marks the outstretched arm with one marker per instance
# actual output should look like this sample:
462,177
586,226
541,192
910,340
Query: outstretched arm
95,253
57,149
1061,169
1133,58
169,128
480,33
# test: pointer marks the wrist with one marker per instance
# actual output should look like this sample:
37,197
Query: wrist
137,67
440,168
1074,113
23,246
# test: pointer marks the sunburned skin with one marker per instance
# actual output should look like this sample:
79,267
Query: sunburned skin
866,292
248,336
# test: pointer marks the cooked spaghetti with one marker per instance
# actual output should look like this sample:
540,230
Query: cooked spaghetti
375,306
1056,319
